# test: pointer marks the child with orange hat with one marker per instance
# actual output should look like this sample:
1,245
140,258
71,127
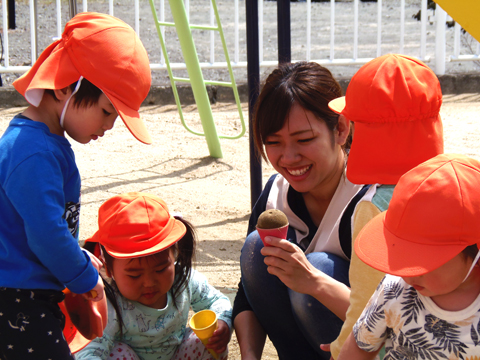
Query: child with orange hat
394,103
427,240
148,254
97,71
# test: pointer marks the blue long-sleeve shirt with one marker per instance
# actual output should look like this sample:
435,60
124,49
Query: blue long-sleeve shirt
39,211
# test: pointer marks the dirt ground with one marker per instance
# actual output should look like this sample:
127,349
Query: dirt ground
214,194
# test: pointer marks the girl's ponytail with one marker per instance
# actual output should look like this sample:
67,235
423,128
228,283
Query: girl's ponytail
184,251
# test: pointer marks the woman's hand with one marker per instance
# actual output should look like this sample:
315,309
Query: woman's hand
220,338
289,263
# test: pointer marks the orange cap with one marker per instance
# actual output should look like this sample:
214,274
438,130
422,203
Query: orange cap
136,224
394,102
432,217
105,51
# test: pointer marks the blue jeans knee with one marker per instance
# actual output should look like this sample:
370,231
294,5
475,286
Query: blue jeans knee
304,321
318,324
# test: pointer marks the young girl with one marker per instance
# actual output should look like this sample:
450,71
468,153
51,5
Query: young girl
429,239
148,254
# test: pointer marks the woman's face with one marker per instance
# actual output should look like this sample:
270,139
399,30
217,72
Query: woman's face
306,152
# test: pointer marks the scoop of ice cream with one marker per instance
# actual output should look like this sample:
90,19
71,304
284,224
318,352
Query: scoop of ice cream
272,219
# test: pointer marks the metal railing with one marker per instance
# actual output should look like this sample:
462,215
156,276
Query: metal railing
335,33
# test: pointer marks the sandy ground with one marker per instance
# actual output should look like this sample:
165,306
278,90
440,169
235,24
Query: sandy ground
214,194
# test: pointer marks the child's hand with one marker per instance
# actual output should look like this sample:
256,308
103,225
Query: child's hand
96,294
220,338
95,261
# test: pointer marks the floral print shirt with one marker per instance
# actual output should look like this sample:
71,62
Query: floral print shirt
412,326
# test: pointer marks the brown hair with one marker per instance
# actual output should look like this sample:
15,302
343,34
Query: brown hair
307,84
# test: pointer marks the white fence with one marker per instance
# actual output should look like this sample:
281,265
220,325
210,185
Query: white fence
338,34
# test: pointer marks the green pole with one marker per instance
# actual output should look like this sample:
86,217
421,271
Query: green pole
196,77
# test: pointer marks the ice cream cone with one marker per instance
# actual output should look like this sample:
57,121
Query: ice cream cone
280,232
203,324
272,222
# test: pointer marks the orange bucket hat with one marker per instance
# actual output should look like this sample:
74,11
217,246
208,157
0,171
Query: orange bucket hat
136,224
105,51
432,217
394,102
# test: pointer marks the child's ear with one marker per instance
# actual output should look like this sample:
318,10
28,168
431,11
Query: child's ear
62,94
343,130
107,271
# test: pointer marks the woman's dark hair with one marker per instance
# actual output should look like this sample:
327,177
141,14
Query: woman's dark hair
307,84
87,95
184,253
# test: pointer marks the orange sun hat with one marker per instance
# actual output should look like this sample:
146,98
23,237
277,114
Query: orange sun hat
394,102
104,50
433,216
136,224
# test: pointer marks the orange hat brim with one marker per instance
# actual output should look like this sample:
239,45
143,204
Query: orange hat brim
379,248
337,105
177,233
131,119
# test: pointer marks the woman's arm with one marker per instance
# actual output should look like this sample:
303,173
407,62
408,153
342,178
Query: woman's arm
350,351
288,262
250,335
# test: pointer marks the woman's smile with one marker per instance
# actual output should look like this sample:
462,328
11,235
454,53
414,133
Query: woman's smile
306,152
299,171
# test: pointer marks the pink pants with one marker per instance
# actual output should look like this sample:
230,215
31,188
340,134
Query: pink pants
191,348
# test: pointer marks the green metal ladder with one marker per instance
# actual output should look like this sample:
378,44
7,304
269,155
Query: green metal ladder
184,33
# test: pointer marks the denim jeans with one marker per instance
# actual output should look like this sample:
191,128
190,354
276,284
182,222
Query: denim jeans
295,323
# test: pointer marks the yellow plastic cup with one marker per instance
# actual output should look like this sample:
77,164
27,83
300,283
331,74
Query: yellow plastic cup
203,324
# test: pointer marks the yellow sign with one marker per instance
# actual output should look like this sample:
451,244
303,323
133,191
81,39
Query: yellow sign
464,12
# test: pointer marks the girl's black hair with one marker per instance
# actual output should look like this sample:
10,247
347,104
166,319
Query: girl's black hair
184,253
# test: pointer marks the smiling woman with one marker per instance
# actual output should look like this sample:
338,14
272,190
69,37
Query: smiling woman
296,291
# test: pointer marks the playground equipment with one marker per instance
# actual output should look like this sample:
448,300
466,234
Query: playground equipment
184,33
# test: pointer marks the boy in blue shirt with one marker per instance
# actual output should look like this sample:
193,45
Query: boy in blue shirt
97,71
